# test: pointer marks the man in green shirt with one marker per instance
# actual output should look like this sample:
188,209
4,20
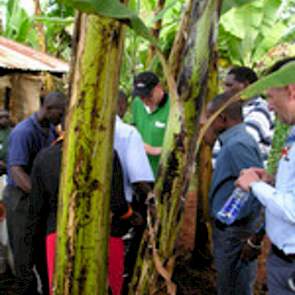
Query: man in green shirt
150,111
4,133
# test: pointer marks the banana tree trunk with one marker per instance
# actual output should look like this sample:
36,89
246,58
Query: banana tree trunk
154,267
83,213
203,243
40,27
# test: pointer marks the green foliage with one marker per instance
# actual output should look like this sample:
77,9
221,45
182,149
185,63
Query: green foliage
229,4
114,9
19,24
280,78
58,21
136,48
249,31
280,134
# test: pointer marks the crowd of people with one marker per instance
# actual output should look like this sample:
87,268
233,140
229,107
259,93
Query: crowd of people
240,137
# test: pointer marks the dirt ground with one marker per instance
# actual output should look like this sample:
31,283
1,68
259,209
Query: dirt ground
200,279
191,278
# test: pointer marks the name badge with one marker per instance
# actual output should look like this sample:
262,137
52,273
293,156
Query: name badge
159,124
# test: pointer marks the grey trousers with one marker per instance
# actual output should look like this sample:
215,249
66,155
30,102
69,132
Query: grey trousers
234,277
279,272
26,251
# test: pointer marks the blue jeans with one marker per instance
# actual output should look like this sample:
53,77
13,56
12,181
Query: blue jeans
234,277
278,273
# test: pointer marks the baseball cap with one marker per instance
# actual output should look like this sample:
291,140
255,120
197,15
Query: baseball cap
144,83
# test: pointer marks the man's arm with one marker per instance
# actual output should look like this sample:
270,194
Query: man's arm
21,178
279,204
19,157
142,189
151,150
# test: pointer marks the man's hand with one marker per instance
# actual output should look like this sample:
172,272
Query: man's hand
247,177
153,151
2,211
251,249
263,175
136,219
21,178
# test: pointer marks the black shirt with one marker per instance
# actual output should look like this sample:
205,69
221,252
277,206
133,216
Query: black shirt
45,186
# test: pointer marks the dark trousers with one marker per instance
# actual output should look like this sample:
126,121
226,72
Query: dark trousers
26,248
234,277
279,271
133,245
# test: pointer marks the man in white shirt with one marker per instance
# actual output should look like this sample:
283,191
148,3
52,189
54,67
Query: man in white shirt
137,174
278,200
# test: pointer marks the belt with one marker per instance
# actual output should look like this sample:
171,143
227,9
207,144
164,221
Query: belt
222,226
290,258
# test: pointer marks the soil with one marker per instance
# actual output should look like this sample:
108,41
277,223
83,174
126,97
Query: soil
200,278
193,276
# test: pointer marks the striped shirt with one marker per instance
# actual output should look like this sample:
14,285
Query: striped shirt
259,122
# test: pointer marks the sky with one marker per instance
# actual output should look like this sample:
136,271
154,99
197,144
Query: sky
28,5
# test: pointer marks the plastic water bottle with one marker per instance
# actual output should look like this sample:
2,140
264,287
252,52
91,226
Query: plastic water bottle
232,207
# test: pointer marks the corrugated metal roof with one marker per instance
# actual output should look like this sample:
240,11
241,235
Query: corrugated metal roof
17,56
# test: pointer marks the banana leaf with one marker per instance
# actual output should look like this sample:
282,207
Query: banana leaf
114,9
280,78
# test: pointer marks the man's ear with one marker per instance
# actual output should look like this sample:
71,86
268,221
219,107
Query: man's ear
291,89
222,117
245,84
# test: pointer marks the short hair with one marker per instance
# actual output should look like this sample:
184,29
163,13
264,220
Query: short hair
243,74
122,96
54,99
279,64
234,110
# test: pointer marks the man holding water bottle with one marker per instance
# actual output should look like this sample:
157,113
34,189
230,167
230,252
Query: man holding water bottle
238,151
278,200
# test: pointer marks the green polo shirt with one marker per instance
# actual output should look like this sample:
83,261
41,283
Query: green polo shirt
151,125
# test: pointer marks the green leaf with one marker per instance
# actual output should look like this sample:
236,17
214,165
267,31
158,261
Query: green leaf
280,78
54,20
161,14
229,4
114,9
289,35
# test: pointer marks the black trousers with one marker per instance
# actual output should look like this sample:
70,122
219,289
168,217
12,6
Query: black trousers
28,247
133,245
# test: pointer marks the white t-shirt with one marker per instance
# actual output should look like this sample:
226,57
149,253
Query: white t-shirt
130,148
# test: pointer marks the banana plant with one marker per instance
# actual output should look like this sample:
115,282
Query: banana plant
248,32
18,24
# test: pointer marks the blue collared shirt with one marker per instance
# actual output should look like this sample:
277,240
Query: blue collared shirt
279,201
238,151
259,121
24,143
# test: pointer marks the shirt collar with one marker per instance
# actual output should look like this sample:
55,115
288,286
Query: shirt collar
256,100
231,132
118,119
160,105
291,136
